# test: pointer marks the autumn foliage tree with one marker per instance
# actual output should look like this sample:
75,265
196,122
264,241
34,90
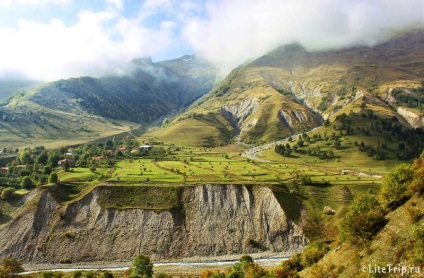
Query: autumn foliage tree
9,267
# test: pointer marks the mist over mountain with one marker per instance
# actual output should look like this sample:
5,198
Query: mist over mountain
286,91
291,90
150,91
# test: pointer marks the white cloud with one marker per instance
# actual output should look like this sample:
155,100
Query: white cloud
33,2
99,43
237,30
102,40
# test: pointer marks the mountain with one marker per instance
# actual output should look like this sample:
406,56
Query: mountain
291,90
86,108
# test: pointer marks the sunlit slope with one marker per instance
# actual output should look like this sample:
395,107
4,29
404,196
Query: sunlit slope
291,89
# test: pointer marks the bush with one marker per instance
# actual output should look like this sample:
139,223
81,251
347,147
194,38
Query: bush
50,274
394,190
363,220
327,270
162,275
9,266
53,178
26,182
107,274
417,185
414,212
141,267
7,193
313,253
76,274
291,267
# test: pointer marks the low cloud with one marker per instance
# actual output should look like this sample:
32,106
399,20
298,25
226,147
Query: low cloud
235,31
103,38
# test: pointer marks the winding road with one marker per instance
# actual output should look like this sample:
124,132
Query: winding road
253,152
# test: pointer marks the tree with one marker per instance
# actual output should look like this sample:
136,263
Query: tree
53,178
54,157
109,143
9,266
25,157
66,165
141,267
394,191
327,122
239,269
417,184
43,157
26,182
363,220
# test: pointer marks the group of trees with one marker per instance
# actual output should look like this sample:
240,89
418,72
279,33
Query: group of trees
412,100
367,213
366,216
38,166
305,141
31,167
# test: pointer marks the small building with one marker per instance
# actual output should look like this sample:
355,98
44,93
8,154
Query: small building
146,147
123,148
4,169
99,158
134,150
2,153
71,162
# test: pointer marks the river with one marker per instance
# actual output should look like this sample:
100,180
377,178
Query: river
166,266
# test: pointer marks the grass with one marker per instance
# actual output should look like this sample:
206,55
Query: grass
69,192
143,197
151,183
201,131
82,175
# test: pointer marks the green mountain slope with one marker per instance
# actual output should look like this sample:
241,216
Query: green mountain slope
86,108
291,90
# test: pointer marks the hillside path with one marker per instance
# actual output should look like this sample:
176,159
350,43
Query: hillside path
254,152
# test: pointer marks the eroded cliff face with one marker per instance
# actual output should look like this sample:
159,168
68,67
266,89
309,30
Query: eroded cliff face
413,119
210,220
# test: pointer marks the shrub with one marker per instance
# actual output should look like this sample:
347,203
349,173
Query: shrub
53,178
26,182
363,220
9,266
327,270
7,193
290,267
417,184
313,253
162,275
414,212
141,267
76,274
50,274
394,188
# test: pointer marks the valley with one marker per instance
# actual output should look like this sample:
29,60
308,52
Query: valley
174,162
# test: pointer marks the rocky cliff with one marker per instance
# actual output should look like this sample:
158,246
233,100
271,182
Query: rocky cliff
210,220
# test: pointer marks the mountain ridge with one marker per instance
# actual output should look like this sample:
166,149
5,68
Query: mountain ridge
149,92
291,81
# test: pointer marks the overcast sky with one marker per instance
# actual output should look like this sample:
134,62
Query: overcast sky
53,39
